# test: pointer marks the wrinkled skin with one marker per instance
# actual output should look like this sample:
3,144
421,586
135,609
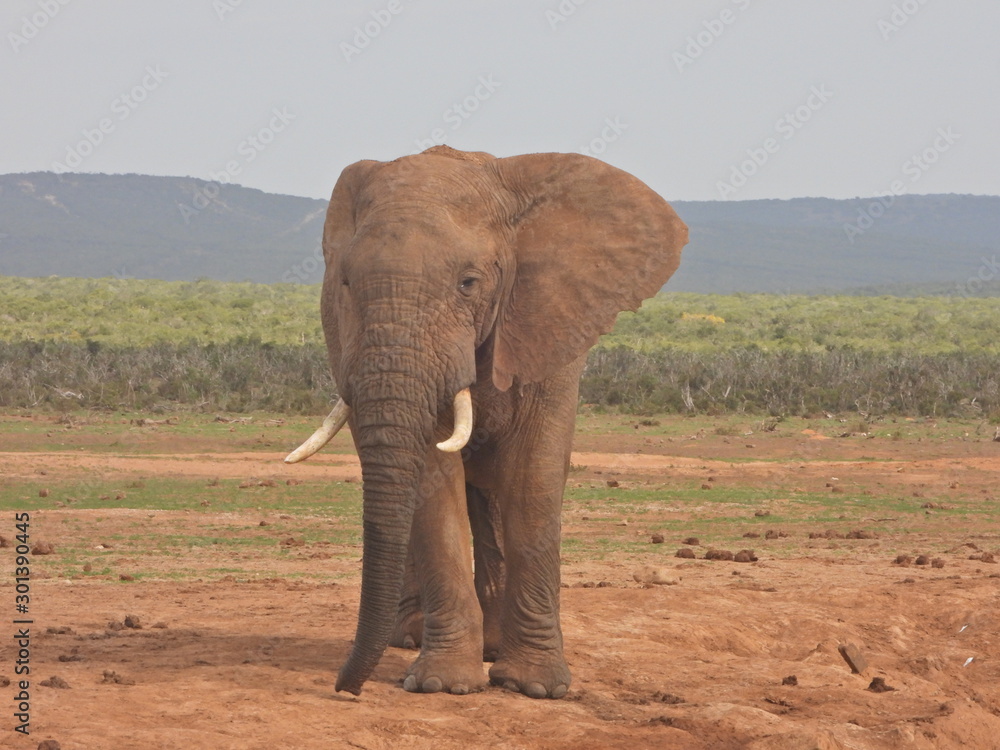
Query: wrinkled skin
445,270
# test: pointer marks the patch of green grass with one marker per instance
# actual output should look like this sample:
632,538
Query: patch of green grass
132,433
590,422
325,499
167,532
618,521
651,499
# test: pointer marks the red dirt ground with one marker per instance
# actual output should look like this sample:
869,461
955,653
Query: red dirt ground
245,662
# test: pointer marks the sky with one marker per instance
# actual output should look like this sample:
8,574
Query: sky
703,100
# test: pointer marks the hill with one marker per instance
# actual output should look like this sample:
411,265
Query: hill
179,228
815,244
170,228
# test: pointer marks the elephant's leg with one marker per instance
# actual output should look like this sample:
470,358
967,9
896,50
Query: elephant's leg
533,470
487,544
531,657
409,628
451,653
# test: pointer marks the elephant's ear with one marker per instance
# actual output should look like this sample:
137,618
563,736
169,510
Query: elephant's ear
338,230
590,241
344,207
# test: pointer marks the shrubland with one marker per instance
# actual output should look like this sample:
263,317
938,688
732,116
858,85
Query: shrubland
133,344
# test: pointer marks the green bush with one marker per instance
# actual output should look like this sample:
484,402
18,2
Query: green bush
793,383
114,343
236,377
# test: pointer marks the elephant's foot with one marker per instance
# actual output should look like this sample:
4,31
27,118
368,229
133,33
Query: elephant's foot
408,631
456,673
546,676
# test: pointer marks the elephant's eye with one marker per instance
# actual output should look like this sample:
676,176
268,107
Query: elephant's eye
468,284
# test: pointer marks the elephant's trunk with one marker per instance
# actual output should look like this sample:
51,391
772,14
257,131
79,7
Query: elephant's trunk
396,384
392,438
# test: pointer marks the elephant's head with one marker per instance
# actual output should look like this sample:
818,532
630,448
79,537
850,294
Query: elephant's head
446,268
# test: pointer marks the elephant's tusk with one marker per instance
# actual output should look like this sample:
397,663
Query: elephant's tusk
330,427
463,423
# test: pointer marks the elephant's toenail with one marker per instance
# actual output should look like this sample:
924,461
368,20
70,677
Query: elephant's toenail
535,690
410,684
512,686
408,642
433,685
559,691
459,690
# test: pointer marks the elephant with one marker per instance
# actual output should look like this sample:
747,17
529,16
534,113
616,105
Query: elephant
460,296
